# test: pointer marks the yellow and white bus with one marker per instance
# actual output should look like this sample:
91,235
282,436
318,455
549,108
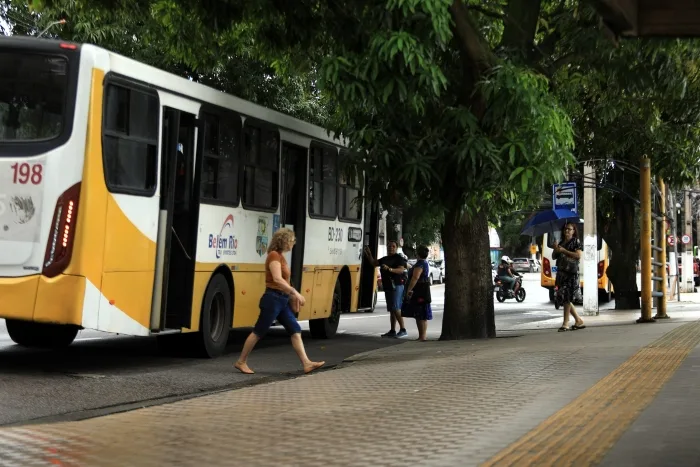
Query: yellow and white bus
548,273
136,202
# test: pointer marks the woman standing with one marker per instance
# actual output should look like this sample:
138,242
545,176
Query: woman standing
418,306
277,303
568,257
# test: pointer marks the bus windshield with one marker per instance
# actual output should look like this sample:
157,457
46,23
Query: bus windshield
33,90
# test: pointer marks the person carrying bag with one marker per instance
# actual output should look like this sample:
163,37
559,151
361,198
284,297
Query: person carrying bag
418,297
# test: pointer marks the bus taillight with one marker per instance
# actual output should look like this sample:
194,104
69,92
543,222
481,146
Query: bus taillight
601,269
546,267
60,245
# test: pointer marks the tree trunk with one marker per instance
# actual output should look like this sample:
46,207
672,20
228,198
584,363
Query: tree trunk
624,247
469,312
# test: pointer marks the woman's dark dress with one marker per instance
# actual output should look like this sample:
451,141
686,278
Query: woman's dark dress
568,284
410,309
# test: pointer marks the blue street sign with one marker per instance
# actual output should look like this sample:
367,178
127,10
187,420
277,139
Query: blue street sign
564,196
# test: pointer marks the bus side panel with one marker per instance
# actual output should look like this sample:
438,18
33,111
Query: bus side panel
307,290
88,250
547,281
129,264
323,286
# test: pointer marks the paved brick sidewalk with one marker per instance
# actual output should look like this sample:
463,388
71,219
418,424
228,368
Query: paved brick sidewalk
435,403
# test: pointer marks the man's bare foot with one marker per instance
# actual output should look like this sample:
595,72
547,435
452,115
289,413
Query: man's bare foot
243,368
313,366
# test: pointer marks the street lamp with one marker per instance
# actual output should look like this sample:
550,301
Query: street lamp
60,21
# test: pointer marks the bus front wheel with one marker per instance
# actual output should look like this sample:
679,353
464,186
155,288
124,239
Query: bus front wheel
325,328
43,335
215,321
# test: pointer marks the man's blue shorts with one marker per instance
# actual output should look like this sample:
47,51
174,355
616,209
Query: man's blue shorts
274,305
394,298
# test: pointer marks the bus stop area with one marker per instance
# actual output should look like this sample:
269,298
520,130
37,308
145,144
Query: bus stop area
616,393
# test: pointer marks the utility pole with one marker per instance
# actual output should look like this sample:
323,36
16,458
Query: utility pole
688,282
660,262
645,239
590,243
673,257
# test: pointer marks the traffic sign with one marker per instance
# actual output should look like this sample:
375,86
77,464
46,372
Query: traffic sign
564,196
685,239
671,240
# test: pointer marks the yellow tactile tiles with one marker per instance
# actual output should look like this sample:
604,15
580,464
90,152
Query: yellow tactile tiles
582,432
435,403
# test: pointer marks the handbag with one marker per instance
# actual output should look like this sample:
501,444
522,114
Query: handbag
421,292
567,265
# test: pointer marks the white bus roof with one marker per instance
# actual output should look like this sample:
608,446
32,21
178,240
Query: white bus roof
189,89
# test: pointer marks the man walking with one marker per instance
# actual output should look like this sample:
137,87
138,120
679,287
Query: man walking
392,268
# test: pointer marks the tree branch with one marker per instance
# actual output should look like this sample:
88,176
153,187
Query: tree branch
487,12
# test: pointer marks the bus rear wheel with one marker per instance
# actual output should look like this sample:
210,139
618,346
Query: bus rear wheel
325,328
216,318
42,335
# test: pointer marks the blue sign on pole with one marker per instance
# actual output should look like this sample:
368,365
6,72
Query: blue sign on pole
564,196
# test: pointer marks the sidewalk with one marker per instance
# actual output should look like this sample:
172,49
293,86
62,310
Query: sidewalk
529,398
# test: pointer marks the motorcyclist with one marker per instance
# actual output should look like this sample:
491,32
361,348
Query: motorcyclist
506,275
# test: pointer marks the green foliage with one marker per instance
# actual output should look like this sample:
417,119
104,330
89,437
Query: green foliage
167,36
421,222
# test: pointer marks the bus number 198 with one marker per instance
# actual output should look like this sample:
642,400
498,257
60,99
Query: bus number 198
335,235
24,173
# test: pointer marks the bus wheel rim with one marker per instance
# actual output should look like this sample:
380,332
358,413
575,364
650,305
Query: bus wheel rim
216,316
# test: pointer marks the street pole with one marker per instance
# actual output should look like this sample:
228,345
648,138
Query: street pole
673,260
645,240
590,243
688,283
661,242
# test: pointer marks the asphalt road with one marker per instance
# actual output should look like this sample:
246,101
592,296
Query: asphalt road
101,374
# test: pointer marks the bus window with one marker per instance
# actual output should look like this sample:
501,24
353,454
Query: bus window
220,164
130,140
323,182
261,180
349,202
33,92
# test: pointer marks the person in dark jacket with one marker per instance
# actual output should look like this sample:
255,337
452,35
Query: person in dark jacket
392,268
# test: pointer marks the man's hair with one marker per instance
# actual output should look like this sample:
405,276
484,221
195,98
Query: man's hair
392,241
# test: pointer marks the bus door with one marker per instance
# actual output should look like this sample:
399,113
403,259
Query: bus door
293,203
368,273
179,208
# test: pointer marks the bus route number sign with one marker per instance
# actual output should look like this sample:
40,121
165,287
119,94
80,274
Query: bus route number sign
25,173
335,234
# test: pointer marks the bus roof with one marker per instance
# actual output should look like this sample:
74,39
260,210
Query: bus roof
166,81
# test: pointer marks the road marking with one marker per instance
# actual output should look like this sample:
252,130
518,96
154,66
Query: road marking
582,432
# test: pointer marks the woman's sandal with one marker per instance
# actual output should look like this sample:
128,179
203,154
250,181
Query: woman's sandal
576,327
562,329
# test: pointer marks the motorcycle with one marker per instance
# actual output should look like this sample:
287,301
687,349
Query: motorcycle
502,295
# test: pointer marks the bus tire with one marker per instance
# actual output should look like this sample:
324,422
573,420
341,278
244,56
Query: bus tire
215,320
41,335
325,328
551,295
604,296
